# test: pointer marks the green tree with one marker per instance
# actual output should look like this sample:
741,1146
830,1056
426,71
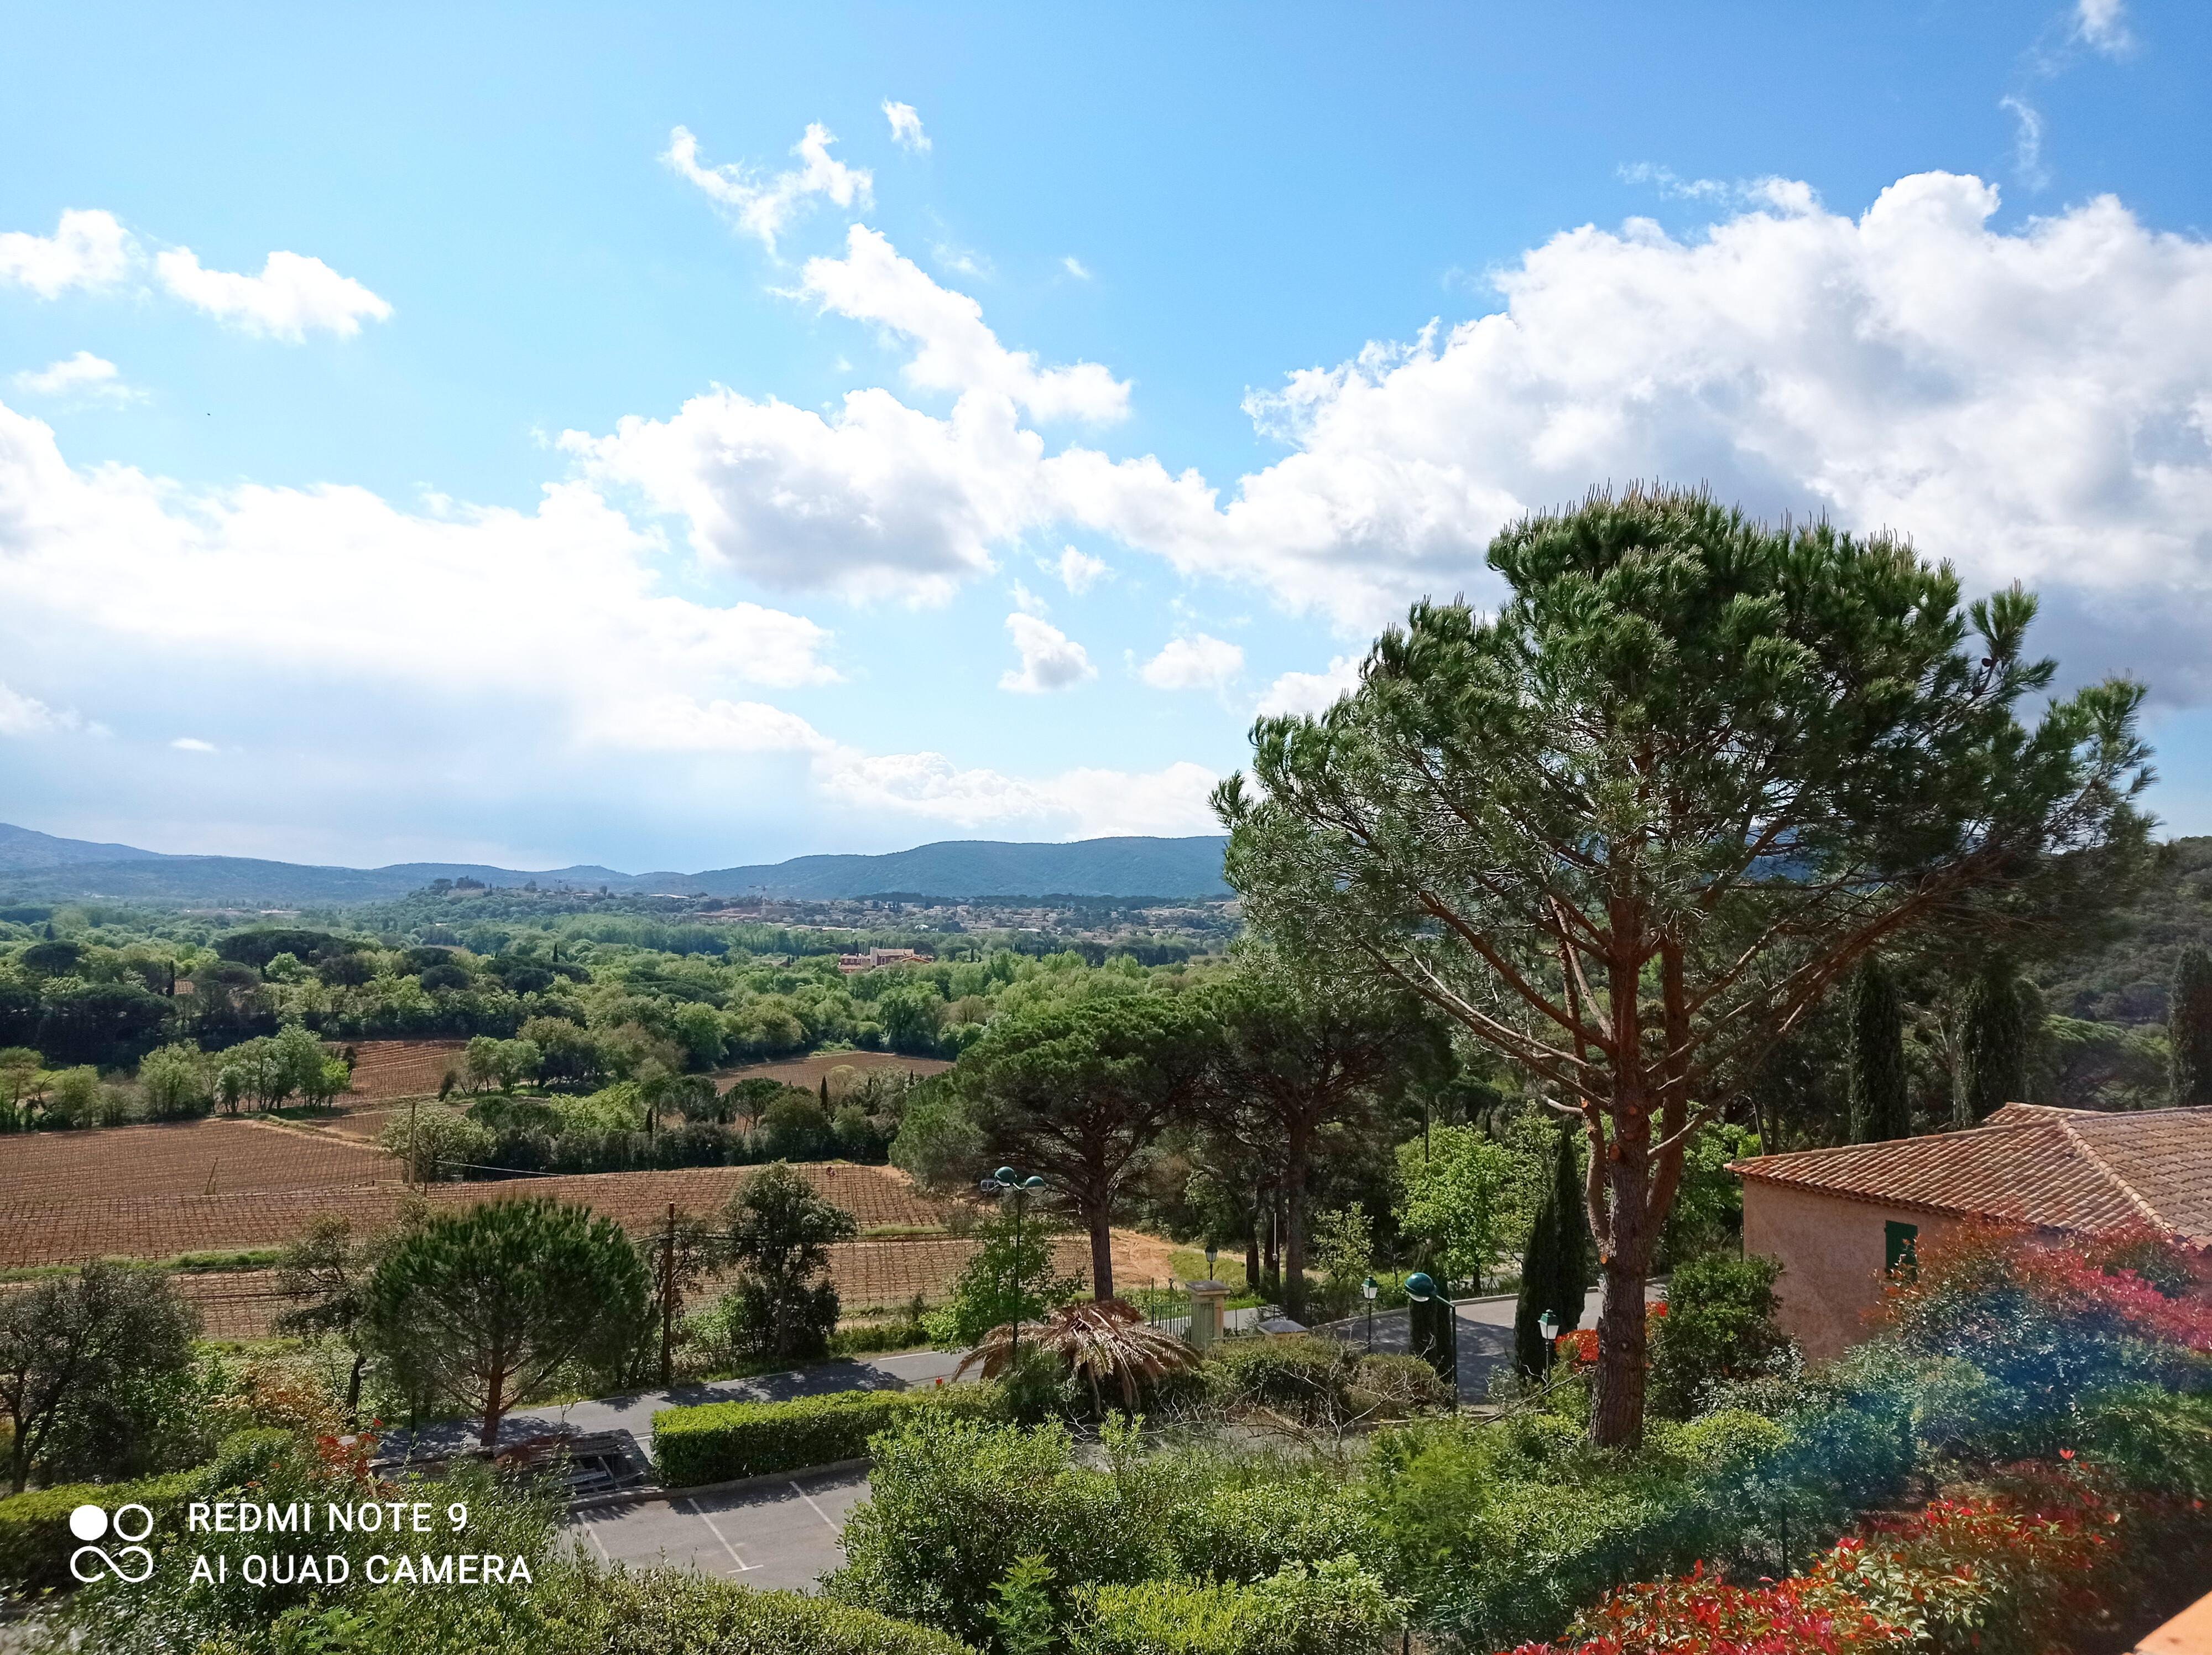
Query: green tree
1994,1037
2189,1030
1301,1060
1009,1276
1881,1100
326,1274
486,1308
1632,828
178,1081
780,1232
1456,1201
76,1346
1557,1267
1077,1094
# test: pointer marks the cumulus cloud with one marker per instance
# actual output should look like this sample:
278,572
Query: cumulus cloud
764,206
22,714
1083,803
82,375
1079,571
1050,659
87,250
1197,662
955,350
2103,26
906,126
1308,693
293,296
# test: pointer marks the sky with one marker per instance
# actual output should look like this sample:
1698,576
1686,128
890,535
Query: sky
701,436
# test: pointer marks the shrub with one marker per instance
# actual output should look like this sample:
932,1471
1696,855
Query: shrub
35,1542
1335,1609
676,1612
1306,1376
1719,1326
1391,1387
1248,1533
721,1442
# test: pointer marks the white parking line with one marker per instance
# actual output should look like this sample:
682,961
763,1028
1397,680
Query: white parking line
699,1513
592,1529
818,1511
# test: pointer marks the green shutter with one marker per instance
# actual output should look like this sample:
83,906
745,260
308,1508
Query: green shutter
1899,1247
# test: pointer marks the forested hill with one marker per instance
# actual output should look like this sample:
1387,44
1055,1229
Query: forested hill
2125,981
38,867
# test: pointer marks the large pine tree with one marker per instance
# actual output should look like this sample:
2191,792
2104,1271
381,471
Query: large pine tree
1881,1103
2189,1029
1559,1263
1993,1042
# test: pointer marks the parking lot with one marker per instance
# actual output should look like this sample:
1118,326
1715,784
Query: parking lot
777,1534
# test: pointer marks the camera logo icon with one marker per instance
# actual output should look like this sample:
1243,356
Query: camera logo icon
130,1562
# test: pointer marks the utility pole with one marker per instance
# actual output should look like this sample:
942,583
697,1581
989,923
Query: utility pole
413,1141
668,1301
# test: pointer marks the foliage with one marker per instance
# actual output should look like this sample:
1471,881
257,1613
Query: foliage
1997,1022
677,1612
35,1536
1024,1618
1102,1343
176,1082
1719,1326
1455,1203
1667,759
1880,1096
780,1235
1343,1249
78,1357
1014,1273
436,1144
1557,1265
719,1442
2189,1029
1334,1608
484,1309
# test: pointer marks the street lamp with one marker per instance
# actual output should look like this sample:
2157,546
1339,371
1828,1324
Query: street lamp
1368,1289
1006,1181
1548,1325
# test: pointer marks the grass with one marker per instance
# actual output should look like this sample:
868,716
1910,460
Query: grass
250,1258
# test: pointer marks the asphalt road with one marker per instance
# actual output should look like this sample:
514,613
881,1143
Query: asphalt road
780,1534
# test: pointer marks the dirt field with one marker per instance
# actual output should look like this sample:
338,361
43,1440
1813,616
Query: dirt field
54,1229
188,1157
400,1069
807,1072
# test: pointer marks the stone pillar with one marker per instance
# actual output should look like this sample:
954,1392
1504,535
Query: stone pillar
1209,1302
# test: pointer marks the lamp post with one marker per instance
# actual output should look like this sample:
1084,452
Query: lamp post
1368,1289
1548,1325
1006,1181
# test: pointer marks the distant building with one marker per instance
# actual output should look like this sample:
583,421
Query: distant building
1839,1219
850,963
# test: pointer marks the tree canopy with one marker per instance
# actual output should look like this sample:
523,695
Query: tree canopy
1633,827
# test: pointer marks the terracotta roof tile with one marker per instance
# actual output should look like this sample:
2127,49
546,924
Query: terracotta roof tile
2060,1169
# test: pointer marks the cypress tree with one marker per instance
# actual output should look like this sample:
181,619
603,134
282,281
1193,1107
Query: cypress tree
1993,1038
1881,1107
2189,1029
1558,1262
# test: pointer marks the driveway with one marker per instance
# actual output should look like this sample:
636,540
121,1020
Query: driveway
783,1533
1485,1335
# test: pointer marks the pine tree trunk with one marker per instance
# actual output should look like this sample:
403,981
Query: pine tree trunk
1101,1255
1617,1408
1294,1228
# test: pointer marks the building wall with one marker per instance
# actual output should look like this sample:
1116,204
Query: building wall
1832,1255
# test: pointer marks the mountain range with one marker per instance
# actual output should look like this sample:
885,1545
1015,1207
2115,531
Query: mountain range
36,866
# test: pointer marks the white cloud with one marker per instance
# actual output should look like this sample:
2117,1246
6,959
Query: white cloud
1311,692
1075,267
1050,659
763,207
2103,26
1028,602
1078,804
22,714
2027,142
961,259
192,744
82,375
906,126
87,249
1197,662
292,297
1079,571
873,282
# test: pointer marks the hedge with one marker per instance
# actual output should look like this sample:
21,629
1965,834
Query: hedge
675,1612
35,1542
719,1442
1335,1608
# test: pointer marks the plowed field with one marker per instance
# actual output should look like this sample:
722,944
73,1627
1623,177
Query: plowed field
400,1069
194,1158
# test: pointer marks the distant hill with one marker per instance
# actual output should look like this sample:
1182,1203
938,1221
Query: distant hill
2125,981
40,866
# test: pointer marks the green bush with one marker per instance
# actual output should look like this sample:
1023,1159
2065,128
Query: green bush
1306,1376
1392,1387
720,1442
676,1612
35,1542
1334,1609
1719,1326
1249,1532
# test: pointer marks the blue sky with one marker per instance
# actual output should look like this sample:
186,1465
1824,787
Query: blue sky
506,434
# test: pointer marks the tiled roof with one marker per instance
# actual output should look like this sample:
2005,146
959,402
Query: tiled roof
2061,1169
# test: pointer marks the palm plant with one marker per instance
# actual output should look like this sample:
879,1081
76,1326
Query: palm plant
1103,1340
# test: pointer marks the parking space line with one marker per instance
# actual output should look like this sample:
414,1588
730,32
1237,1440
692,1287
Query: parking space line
818,1511
592,1529
700,1512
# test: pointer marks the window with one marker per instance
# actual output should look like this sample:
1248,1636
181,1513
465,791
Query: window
1898,1252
